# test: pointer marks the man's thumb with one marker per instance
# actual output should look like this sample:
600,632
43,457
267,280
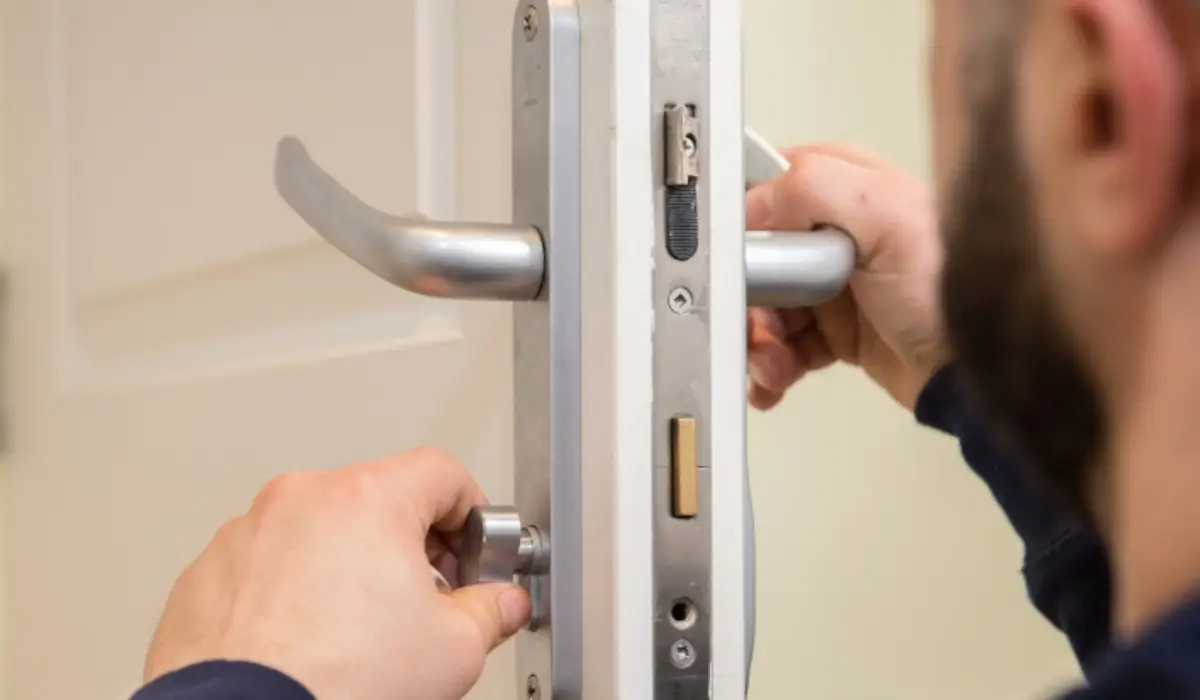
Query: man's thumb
499,609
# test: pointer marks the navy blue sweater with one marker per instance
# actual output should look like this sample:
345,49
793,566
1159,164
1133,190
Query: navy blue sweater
1066,572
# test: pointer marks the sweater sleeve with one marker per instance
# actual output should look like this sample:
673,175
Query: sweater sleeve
224,680
1066,566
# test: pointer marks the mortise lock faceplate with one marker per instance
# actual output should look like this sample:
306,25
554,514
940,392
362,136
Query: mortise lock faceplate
535,260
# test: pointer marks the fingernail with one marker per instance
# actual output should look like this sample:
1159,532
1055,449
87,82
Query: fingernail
514,609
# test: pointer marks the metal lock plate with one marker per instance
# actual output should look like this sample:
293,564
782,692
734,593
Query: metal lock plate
682,354
547,334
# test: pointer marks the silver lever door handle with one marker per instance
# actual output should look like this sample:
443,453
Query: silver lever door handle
438,259
790,268
506,262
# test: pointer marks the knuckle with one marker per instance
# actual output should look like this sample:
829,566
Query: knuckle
278,489
430,456
438,464
227,532
801,182
368,480
354,488
910,211
798,154
362,481
804,167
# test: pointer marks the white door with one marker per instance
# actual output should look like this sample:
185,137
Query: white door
183,335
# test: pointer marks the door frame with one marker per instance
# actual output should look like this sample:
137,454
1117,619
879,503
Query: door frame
618,230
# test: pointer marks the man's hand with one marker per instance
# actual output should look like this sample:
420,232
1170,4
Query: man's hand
887,321
328,580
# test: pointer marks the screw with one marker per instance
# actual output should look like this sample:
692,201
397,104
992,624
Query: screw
683,654
533,689
680,300
529,23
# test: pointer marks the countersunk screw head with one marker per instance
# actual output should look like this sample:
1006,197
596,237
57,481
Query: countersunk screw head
680,300
529,23
683,654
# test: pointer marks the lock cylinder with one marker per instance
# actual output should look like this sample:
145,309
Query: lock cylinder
496,547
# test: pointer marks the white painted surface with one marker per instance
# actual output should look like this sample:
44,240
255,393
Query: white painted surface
727,338
184,336
885,568
633,325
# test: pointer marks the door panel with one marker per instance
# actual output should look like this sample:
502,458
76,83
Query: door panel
184,335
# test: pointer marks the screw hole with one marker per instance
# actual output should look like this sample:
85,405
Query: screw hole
683,613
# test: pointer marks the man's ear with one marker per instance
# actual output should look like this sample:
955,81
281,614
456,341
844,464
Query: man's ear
1108,110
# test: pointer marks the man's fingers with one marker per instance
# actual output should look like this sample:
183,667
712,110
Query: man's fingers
436,487
837,320
772,366
821,190
760,206
762,399
760,200
775,367
813,351
499,610
438,543
839,185
781,347
796,321
842,151
765,325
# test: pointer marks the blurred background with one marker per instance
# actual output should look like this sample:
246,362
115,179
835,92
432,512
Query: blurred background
885,570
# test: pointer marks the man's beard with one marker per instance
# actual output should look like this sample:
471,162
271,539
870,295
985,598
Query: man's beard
1015,353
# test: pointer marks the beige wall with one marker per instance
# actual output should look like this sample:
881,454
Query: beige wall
885,571
4,599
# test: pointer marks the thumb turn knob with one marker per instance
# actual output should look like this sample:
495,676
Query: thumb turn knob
496,547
